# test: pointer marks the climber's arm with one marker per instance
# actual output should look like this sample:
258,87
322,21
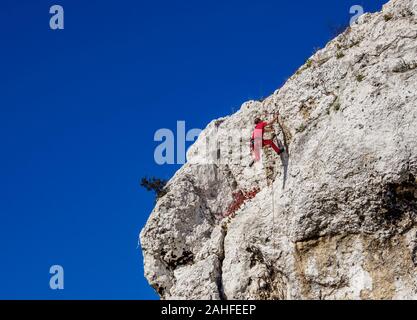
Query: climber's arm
268,126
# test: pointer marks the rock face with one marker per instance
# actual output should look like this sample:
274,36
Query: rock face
338,217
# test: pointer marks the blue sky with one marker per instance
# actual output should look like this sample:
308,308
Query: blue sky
79,108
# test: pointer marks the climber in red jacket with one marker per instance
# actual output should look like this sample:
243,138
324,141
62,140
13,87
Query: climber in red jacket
257,140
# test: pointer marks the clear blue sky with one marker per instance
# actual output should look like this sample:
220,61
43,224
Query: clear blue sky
79,108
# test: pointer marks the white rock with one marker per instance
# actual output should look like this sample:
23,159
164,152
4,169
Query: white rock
338,221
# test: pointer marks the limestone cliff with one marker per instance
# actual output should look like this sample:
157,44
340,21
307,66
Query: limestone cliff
337,218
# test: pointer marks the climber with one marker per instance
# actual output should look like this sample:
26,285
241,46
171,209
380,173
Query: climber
257,141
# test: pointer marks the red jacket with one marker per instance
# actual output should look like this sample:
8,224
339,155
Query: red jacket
259,130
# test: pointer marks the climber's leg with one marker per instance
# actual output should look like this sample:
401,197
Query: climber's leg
273,145
257,149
